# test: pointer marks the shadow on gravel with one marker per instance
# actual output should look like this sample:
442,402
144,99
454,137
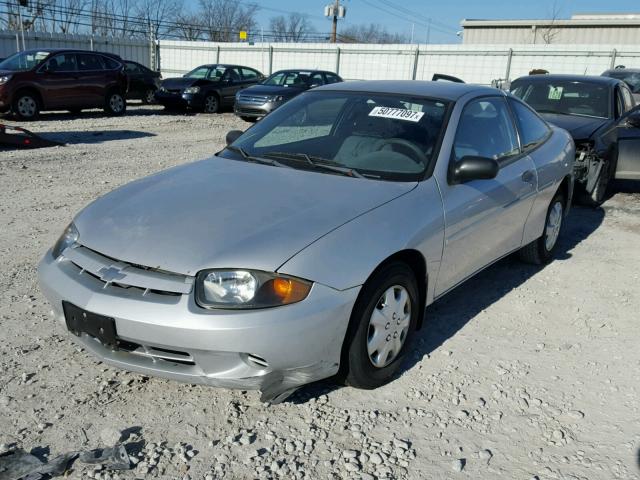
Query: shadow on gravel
79,137
452,312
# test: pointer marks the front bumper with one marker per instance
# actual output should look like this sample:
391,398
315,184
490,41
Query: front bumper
252,110
179,100
272,350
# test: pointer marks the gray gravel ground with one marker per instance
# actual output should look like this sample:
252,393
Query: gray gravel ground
522,373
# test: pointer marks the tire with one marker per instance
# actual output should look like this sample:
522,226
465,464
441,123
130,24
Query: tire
149,97
26,106
249,119
211,104
541,251
599,193
115,103
371,328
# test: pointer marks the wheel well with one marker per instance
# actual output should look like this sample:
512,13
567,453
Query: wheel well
565,188
32,91
416,262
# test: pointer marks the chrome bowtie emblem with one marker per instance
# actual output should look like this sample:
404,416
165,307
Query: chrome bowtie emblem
110,274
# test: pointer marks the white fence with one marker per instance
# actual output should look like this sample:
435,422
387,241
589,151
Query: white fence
137,50
474,64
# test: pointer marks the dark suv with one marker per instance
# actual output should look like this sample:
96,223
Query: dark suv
48,79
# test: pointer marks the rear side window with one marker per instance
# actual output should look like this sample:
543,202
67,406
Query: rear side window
331,78
486,130
533,130
133,68
88,62
249,74
63,62
110,63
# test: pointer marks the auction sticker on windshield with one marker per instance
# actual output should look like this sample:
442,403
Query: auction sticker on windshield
399,113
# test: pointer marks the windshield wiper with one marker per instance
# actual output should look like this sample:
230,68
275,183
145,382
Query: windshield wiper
318,163
251,158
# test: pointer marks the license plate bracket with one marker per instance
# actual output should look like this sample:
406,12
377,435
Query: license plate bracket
80,321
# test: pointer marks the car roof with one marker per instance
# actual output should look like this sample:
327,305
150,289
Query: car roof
600,80
444,90
310,70
630,70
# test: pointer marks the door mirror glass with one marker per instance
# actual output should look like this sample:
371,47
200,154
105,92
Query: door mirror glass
233,135
633,120
475,168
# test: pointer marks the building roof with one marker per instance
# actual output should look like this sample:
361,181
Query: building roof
630,20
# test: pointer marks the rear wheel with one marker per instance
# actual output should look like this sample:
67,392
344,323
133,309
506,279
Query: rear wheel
149,96
381,327
115,104
211,104
540,251
26,106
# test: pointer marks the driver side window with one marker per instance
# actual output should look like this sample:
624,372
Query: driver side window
486,130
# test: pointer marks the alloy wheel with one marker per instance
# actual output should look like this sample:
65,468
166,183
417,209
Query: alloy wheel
388,326
554,222
116,102
149,96
211,104
27,106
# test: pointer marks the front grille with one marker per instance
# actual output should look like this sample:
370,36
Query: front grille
250,111
174,91
156,353
119,274
252,99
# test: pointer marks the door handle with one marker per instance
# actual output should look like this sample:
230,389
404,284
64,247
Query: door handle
528,177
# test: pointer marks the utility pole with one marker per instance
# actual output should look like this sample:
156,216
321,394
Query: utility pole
335,11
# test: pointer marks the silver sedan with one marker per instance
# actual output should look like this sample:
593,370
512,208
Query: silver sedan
312,244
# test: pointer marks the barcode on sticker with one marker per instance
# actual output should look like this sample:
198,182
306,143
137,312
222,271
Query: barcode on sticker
398,113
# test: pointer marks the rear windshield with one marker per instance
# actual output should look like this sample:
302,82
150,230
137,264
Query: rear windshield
564,97
23,61
630,78
382,136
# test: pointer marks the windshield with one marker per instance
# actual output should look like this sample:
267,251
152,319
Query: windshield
630,78
293,79
21,62
564,97
391,137
210,73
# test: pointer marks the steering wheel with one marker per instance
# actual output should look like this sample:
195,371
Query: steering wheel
404,147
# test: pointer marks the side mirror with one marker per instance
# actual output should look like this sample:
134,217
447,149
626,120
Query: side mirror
475,168
633,120
232,136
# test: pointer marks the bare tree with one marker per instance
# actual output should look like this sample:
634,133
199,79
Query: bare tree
115,18
551,31
371,33
189,26
294,28
223,19
156,13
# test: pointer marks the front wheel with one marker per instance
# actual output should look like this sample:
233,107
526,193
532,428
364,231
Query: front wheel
540,251
26,106
381,328
211,104
115,104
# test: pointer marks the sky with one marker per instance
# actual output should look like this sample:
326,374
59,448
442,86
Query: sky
446,14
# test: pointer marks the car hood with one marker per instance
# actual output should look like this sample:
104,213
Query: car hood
6,72
273,90
221,213
579,127
181,82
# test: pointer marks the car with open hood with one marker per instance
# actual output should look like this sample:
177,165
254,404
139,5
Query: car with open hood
207,88
601,115
255,102
310,246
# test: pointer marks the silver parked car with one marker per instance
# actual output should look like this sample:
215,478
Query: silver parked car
311,245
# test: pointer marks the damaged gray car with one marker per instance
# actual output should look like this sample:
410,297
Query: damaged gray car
311,245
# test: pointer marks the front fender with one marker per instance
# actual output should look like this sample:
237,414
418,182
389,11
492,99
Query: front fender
345,257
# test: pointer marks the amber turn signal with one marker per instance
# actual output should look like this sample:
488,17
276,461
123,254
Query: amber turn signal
290,290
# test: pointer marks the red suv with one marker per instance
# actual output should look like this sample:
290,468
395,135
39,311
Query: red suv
48,79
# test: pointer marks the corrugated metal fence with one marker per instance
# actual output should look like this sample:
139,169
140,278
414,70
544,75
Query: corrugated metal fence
136,50
473,63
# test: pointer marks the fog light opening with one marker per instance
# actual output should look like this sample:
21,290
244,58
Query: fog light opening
257,361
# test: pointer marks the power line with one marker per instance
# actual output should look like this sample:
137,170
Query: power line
405,18
419,15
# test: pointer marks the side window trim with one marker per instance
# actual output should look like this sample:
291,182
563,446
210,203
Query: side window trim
526,149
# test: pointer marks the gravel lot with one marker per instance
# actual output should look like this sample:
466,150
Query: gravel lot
522,373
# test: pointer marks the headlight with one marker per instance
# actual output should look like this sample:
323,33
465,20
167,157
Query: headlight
4,79
192,90
275,98
69,237
245,289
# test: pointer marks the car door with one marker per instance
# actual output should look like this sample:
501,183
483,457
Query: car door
58,80
484,219
231,83
136,80
627,134
91,79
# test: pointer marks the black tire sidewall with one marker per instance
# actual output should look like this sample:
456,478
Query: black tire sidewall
547,255
360,371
